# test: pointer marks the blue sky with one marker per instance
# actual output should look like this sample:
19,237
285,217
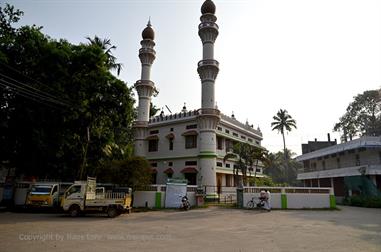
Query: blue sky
307,56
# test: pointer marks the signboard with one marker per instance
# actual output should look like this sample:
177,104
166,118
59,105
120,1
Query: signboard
91,188
174,192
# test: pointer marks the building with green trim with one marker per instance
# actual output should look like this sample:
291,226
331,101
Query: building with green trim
190,144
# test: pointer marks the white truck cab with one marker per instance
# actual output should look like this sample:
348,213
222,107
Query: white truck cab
84,196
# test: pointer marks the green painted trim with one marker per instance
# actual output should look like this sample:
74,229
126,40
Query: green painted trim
332,201
171,158
158,200
207,156
207,152
283,198
211,196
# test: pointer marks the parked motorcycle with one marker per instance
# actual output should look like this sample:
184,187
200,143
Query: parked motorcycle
185,205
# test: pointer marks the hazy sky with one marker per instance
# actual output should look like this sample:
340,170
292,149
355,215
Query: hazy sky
307,56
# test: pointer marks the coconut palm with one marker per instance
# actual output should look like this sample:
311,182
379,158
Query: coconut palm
107,47
283,122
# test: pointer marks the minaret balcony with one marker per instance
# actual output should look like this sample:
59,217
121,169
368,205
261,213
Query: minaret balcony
144,88
208,119
140,124
208,69
145,50
208,24
208,62
144,83
147,56
209,112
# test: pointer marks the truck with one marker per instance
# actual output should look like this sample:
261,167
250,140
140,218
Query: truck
43,195
85,197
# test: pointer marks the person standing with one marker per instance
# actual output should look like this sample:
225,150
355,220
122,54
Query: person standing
267,205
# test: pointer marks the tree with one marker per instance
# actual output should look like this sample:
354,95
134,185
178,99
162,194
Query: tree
276,169
283,122
153,110
60,105
257,155
362,116
107,47
133,172
246,156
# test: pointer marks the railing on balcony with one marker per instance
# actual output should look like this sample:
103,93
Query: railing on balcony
176,116
207,24
144,82
147,50
238,123
209,111
208,62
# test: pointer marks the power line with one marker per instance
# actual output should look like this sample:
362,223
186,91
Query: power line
26,91
30,97
30,87
28,77
31,93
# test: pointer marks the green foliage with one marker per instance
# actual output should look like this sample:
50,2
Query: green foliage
153,110
363,201
63,113
246,156
362,116
264,181
284,122
133,172
276,169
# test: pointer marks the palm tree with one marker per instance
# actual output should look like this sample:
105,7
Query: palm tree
107,47
283,122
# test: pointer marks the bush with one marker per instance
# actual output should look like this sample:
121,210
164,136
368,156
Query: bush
363,201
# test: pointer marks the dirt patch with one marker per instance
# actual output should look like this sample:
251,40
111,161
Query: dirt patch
209,229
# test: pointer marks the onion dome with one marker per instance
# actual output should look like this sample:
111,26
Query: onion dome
148,32
208,7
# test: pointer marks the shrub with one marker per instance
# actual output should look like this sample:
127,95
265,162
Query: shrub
363,201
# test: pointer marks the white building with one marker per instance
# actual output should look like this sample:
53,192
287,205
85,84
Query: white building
343,164
189,144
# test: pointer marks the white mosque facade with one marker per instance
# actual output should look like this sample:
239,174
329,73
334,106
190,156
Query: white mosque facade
190,144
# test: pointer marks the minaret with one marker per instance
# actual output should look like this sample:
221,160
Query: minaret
209,115
145,88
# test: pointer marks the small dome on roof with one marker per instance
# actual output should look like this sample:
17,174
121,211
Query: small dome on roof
208,7
148,32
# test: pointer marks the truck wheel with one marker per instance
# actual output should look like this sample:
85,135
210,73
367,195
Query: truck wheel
112,212
74,211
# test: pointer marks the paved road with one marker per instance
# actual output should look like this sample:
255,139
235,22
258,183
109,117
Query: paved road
211,229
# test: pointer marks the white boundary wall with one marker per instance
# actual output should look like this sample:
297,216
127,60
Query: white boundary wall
293,197
153,196
150,196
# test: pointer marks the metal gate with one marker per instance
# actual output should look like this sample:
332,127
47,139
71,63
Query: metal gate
222,195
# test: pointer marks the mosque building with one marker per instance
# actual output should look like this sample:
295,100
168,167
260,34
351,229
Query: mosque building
190,144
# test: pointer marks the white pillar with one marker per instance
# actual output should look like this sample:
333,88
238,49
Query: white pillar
144,88
209,116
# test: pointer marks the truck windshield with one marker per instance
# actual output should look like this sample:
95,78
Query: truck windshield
42,190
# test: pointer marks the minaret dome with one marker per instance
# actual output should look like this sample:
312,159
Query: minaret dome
148,32
208,7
